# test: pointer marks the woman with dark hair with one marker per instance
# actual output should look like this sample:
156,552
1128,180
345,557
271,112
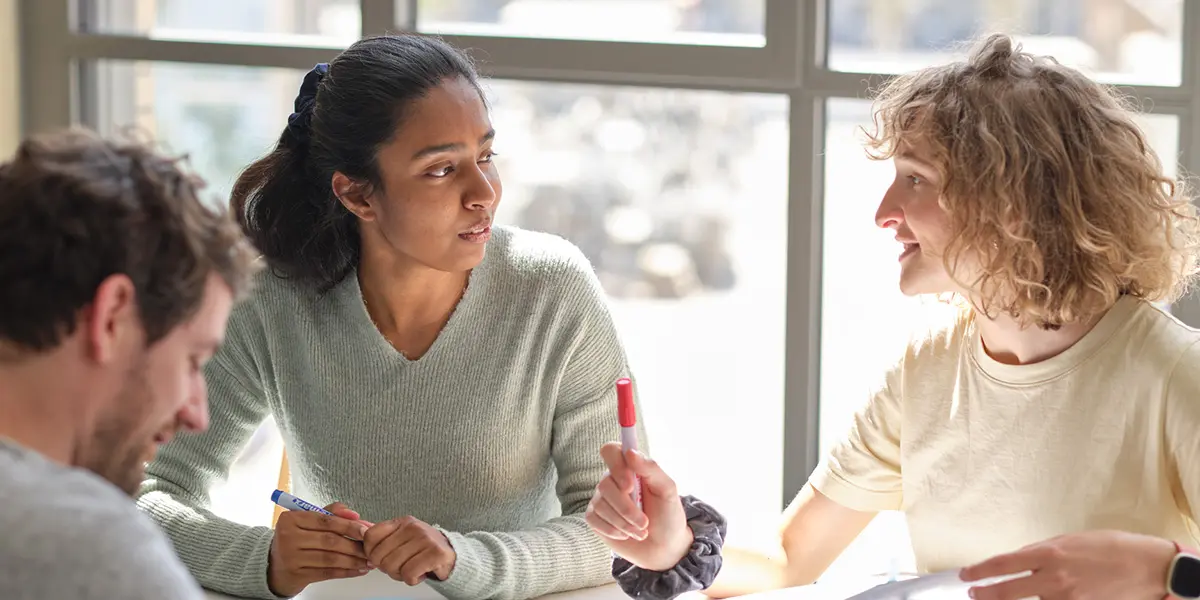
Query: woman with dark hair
452,396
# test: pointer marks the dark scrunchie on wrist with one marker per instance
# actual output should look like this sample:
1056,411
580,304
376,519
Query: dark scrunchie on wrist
695,572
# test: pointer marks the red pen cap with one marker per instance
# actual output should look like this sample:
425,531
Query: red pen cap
626,413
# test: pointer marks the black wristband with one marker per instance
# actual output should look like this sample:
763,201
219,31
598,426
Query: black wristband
694,572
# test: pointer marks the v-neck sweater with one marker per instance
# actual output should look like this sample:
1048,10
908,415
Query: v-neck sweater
493,435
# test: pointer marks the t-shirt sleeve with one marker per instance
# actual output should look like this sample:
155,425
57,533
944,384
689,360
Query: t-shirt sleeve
862,472
104,554
1182,429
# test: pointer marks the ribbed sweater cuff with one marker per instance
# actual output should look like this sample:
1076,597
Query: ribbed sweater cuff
255,575
473,566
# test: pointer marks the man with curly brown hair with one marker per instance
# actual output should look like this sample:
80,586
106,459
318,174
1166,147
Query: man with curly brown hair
115,286
1051,427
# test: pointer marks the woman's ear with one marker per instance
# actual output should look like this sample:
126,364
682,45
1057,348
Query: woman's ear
353,196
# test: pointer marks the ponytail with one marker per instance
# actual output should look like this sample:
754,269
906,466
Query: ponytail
287,207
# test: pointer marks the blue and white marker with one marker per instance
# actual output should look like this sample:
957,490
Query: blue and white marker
291,502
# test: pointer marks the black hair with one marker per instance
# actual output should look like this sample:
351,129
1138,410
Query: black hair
344,113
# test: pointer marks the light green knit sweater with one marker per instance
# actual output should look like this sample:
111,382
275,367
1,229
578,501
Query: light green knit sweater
493,435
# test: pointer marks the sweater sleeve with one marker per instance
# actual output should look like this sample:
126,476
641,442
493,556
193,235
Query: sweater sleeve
562,553
222,555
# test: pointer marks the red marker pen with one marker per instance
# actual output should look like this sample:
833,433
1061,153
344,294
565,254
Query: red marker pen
627,415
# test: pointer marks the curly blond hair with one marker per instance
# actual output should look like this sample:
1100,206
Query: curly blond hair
1050,186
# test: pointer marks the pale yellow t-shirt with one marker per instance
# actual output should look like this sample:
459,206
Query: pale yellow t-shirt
985,458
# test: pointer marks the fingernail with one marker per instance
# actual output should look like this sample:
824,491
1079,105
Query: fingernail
370,565
637,453
971,592
364,570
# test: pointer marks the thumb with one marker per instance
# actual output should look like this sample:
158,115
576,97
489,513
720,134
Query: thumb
654,479
343,511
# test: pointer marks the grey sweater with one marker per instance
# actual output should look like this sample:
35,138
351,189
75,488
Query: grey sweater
493,435
67,533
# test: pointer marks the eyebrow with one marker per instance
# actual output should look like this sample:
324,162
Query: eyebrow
429,150
913,158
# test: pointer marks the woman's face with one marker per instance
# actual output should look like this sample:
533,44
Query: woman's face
911,208
440,188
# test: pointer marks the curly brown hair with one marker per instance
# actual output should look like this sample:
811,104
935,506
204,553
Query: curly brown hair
76,209
1050,186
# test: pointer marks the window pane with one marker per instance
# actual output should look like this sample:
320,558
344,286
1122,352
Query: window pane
1117,41
679,198
222,117
861,299
299,22
700,22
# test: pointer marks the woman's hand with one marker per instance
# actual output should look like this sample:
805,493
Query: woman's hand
655,537
309,547
409,550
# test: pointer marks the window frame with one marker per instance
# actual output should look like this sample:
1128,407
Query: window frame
56,92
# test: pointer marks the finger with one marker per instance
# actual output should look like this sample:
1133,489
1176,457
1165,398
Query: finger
315,575
393,563
317,559
312,521
343,511
426,561
1028,559
618,469
1037,585
622,506
331,542
377,533
610,491
655,481
405,530
603,528
605,511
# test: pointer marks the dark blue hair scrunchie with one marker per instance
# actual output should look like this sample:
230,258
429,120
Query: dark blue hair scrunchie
300,121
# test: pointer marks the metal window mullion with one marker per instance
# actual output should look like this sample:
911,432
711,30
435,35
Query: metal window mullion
805,225
405,15
781,31
47,90
1188,308
134,48
642,80
805,230
616,60
88,46
378,16
553,60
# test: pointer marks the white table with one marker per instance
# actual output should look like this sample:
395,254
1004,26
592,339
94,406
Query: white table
377,586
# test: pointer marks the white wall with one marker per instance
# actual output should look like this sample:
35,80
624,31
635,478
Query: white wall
10,79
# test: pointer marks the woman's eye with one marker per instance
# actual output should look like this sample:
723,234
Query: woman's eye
442,172
488,156
916,179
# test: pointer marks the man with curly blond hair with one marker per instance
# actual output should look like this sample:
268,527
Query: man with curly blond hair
1048,435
